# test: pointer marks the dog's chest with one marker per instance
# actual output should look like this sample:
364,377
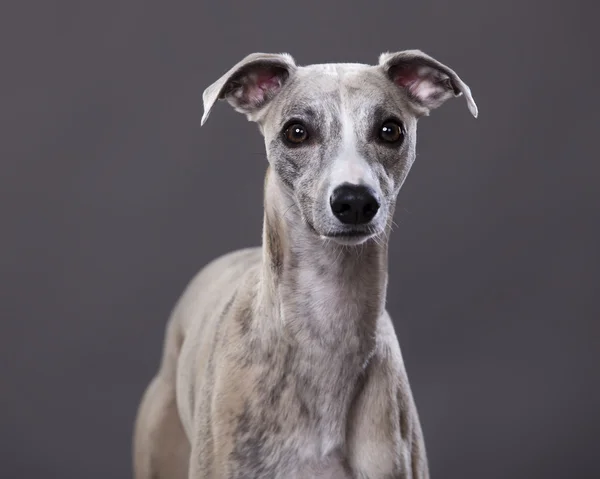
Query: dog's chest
330,468
295,425
297,455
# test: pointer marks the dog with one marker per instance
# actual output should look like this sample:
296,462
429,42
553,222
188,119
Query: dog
281,361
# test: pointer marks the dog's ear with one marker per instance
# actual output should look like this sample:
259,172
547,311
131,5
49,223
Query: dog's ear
250,84
427,82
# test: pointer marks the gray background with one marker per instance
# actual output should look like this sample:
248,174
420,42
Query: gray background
112,197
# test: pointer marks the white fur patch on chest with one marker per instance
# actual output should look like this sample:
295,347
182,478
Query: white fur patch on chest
328,468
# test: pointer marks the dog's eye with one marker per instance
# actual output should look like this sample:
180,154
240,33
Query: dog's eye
391,132
295,133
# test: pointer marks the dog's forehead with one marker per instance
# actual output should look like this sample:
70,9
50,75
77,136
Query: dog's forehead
332,83
335,69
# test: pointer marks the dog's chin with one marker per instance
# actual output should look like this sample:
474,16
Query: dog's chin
349,238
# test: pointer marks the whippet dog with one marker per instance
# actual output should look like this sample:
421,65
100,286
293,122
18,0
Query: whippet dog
281,361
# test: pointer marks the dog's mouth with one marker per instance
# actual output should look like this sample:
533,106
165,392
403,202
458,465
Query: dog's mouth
353,236
349,234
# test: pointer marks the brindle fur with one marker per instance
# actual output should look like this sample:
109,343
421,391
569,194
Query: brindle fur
281,361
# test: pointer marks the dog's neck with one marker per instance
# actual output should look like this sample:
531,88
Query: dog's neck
325,294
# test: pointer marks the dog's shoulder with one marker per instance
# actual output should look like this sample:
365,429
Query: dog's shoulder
386,370
387,348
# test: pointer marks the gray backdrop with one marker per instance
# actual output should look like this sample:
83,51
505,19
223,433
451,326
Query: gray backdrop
112,197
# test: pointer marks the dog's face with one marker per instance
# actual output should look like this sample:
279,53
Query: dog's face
340,137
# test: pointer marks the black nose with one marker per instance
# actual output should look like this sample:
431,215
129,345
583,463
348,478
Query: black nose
353,204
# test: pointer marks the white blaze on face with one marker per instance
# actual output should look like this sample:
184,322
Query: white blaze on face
349,166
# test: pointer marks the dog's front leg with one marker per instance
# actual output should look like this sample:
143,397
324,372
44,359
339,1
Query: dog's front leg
208,459
385,438
220,417
384,433
417,463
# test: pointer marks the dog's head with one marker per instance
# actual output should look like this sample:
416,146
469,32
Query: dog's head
340,137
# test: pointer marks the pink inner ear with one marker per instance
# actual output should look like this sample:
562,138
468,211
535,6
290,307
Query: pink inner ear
404,77
260,84
267,81
418,80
